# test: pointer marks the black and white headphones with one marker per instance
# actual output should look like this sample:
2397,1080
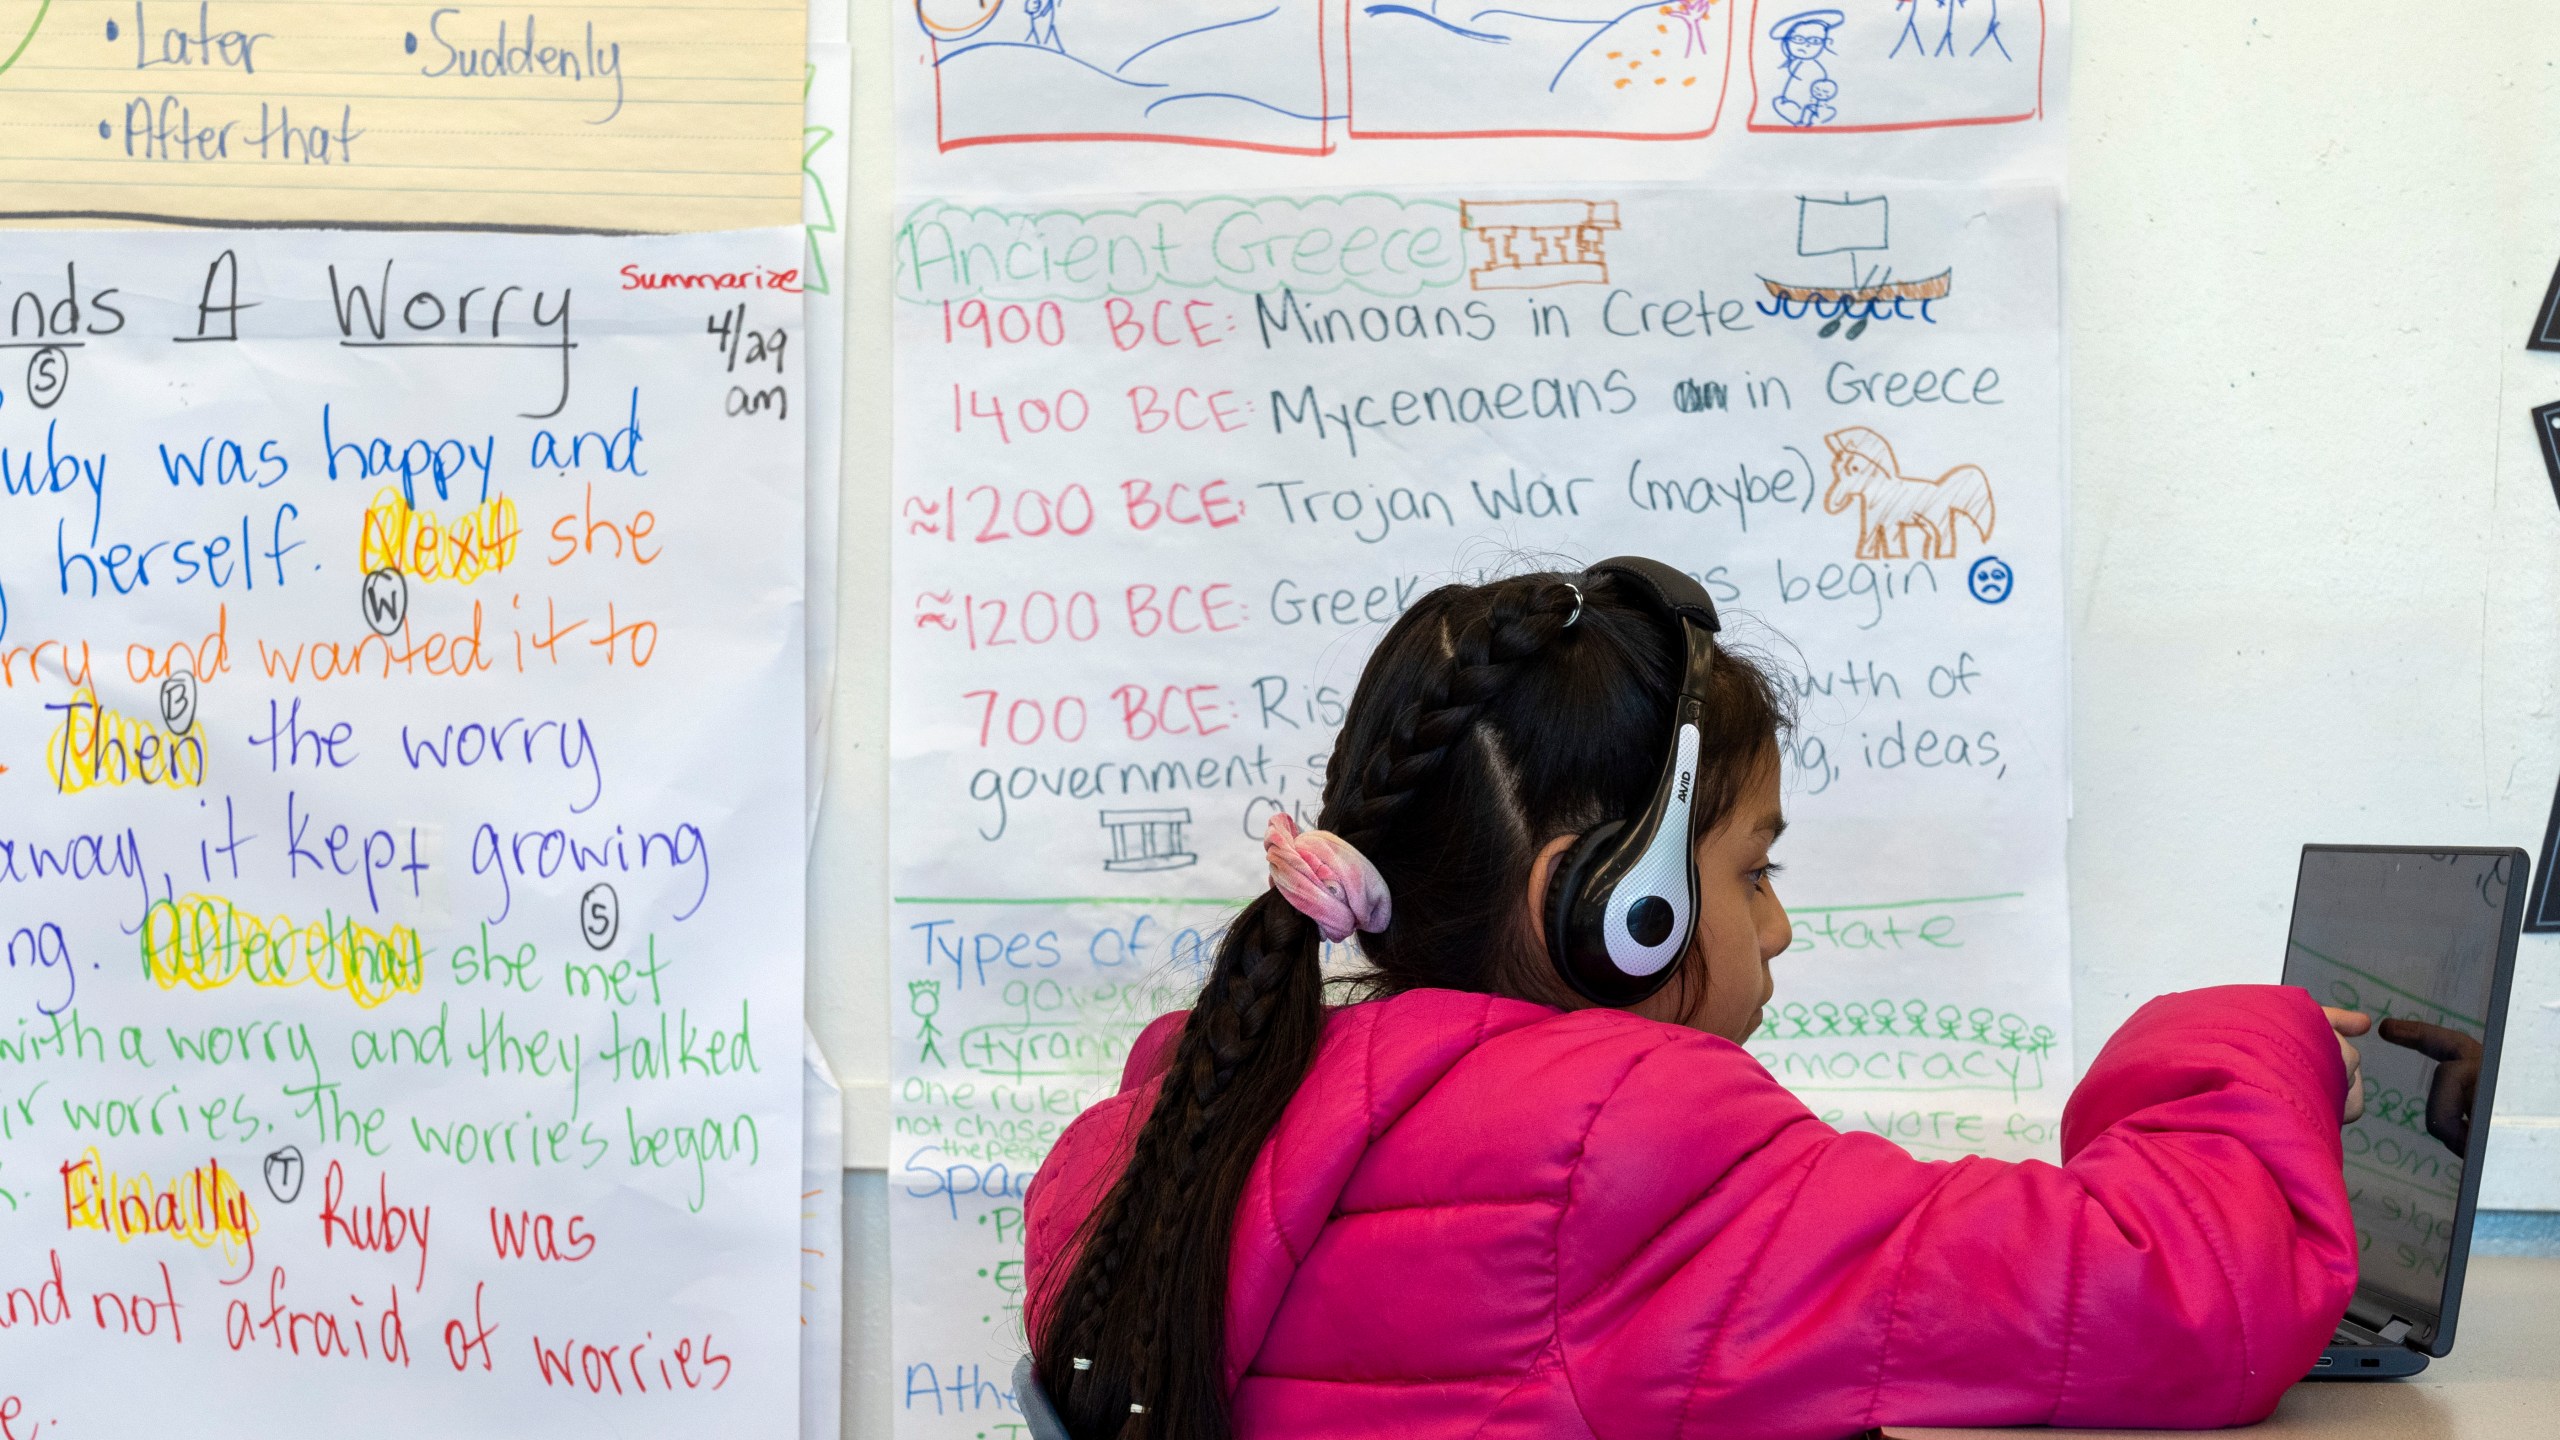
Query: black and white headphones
1623,901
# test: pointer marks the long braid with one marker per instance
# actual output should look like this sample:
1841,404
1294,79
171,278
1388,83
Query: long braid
1520,621
1137,1304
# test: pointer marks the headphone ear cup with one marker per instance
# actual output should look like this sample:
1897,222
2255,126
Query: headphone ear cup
1566,897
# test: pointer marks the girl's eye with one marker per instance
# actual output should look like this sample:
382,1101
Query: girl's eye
1760,876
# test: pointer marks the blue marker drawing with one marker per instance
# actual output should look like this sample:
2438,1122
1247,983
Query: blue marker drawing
1249,71
1990,579
1600,68
1804,100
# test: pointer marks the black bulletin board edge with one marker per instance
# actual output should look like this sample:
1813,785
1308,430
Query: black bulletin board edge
2546,321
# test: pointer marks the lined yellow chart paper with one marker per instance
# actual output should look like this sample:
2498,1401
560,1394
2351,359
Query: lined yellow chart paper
646,116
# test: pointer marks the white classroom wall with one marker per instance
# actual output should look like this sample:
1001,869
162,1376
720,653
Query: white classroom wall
2314,543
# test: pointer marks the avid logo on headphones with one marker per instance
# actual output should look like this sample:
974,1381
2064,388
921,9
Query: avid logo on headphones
1682,793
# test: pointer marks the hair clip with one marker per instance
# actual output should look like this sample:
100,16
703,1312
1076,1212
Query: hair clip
1577,604
1083,1364
1137,1409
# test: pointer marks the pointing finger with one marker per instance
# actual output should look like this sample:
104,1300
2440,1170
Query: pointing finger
2433,1041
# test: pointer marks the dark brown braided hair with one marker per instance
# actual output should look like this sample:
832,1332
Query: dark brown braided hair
1490,719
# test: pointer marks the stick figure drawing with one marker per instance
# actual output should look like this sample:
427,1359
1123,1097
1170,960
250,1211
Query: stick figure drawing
1804,101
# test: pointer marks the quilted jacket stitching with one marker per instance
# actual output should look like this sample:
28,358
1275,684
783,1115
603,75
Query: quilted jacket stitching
1553,1359
1910,1228
2290,1100
2070,1308
1564,1207
2221,1263
1708,1336
1637,1253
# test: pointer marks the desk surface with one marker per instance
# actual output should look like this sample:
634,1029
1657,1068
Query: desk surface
2502,1379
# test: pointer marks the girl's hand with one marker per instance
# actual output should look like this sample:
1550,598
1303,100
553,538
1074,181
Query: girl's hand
2456,1081
2347,1023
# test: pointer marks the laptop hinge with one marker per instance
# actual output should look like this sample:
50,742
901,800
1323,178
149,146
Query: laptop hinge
2389,1328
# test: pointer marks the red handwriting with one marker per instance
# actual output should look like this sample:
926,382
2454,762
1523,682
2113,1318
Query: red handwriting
1028,721
322,1334
1066,413
989,621
598,1368
760,278
462,1343
1003,324
1183,610
43,1304
512,1235
1147,712
140,1314
1183,504
382,1227
1031,513
1169,323
1172,710
1185,410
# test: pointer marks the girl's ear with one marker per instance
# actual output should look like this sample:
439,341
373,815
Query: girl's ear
1540,870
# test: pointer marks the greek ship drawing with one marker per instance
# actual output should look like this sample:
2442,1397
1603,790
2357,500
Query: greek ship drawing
1852,227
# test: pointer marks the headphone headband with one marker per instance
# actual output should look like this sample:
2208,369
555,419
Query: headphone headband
1623,901
1669,592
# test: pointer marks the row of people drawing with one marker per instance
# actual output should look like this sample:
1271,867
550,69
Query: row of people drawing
1297,75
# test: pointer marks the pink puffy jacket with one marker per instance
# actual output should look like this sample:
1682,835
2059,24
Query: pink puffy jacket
1483,1217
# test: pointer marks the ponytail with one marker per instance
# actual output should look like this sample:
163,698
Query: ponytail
1146,1303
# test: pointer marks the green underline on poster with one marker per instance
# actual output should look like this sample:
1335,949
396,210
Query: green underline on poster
1906,904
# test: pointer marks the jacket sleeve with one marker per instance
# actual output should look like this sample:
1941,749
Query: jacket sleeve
1744,1269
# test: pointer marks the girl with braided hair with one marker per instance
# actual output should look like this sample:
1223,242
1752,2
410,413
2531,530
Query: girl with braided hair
1461,1200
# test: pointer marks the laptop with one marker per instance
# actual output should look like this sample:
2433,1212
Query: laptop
2424,941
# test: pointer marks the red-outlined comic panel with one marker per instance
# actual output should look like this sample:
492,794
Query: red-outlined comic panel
1496,69
1243,74
1860,66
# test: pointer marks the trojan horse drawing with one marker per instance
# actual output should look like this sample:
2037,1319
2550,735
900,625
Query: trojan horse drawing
1865,473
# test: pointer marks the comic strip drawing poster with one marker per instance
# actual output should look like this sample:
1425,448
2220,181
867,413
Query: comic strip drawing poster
1062,96
1170,465
400,833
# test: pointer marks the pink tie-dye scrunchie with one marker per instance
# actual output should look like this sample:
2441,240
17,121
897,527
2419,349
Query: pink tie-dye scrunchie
1325,879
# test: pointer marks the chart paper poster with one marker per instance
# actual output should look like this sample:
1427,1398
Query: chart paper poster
400,833
1169,467
673,116
1096,95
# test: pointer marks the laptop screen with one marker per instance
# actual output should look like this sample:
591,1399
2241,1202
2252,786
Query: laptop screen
2406,936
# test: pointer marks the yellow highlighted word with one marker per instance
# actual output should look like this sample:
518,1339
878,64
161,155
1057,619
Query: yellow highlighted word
422,546
96,746
204,1207
204,943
